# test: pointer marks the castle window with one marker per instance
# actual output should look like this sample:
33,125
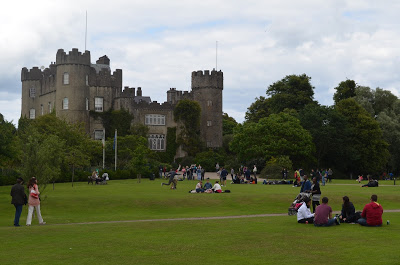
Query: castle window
65,103
209,144
66,79
49,107
209,123
32,92
98,134
41,109
98,104
154,119
87,80
156,141
209,103
87,104
32,114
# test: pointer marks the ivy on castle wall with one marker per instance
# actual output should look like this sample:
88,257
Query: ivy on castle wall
187,113
114,119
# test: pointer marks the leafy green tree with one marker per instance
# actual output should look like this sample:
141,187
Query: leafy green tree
228,124
292,92
366,98
187,113
366,151
345,89
274,166
7,138
257,110
329,132
41,157
114,119
208,159
139,129
277,135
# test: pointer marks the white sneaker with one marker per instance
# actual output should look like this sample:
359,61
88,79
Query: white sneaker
43,223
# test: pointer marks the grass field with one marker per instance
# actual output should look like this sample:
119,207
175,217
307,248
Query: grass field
253,240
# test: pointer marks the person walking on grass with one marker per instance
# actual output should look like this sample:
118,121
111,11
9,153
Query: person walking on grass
372,213
18,199
323,215
34,202
224,174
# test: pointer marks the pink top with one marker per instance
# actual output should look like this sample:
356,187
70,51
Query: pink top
34,201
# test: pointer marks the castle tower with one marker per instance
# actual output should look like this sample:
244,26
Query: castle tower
73,70
207,91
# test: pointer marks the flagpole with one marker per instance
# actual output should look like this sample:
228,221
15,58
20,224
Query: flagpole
115,141
104,149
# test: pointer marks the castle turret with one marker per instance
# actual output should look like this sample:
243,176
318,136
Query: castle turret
207,91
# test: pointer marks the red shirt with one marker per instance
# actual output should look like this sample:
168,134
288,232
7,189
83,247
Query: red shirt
373,213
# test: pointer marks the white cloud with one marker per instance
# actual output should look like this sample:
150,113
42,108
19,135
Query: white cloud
159,43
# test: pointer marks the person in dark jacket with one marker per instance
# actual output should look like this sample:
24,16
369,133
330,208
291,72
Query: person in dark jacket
316,193
348,214
18,199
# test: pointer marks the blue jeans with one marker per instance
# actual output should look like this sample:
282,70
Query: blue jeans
363,222
329,223
18,211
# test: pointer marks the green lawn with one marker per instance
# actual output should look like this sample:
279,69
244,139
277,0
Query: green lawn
259,240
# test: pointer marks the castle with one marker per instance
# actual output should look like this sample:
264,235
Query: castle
73,86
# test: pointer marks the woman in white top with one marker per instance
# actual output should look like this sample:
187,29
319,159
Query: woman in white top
217,188
304,214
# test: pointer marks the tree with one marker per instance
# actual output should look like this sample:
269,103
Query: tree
277,135
257,110
187,113
366,151
7,138
292,92
41,157
228,124
329,133
345,89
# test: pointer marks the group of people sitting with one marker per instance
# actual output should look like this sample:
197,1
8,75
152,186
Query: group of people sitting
370,216
207,188
97,179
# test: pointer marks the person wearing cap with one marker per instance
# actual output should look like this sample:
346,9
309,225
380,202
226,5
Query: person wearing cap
18,199
304,214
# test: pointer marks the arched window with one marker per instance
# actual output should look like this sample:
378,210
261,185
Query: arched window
66,79
32,114
87,104
87,80
156,141
65,103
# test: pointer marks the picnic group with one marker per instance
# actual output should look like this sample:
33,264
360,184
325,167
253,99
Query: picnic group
371,214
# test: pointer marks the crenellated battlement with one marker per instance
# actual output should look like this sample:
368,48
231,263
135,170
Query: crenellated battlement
73,57
37,74
105,79
207,79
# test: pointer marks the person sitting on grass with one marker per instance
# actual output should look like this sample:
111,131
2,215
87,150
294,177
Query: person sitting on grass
207,185
172,175
372,213
199,187
217,188
323,215
348,213
371,182
304,214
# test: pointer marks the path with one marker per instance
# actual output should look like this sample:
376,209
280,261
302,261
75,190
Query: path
198,218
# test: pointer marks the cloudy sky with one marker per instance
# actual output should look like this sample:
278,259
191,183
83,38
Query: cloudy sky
159,43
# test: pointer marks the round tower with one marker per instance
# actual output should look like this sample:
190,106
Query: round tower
207,91
72,82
